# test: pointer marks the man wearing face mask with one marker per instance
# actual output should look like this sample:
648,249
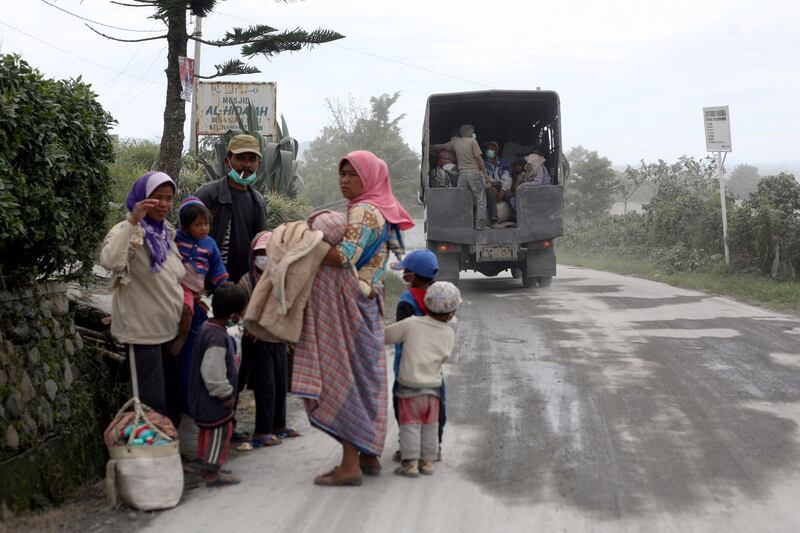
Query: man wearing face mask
500,180
239,211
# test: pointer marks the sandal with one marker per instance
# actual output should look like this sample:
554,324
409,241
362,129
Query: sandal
329,480
223,481
287,433
240,436
369,469
269,440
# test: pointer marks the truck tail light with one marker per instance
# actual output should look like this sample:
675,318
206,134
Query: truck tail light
445,247
546,244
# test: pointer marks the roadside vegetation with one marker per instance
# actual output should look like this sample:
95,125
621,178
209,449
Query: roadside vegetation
352,126
677,238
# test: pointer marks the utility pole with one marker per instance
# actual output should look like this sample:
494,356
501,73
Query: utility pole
198,31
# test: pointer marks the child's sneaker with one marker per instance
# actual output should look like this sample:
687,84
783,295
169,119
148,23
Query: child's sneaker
426,467
407,469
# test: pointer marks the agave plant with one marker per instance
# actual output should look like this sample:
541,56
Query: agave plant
278,170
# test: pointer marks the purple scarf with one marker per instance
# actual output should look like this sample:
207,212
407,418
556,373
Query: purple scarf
155,232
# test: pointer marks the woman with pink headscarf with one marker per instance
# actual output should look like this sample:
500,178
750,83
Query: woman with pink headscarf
340,365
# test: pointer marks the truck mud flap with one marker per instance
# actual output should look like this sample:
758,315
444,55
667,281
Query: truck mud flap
449,215
539,213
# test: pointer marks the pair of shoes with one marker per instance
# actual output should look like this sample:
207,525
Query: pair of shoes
195,466
240,436
426,468
369,467
371,470
407,469
287,433
329,479
223,481
269,440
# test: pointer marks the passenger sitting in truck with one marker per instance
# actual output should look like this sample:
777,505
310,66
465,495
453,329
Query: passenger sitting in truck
471,172
535,174
446,172
500,180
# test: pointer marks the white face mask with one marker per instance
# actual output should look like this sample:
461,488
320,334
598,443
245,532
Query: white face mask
261,262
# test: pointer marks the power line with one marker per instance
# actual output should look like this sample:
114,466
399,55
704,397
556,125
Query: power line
141,92
94,21
108,83
74,55
376,56
425,69
124,68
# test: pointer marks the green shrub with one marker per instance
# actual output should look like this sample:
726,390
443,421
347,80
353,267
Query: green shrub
764,231
284,209
54,180
679,258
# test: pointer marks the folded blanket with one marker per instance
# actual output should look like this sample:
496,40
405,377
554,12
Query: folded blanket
275,311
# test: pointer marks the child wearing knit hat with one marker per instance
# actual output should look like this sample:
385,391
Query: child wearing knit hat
427,343
201,259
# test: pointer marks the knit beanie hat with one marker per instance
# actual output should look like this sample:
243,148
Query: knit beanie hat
190,200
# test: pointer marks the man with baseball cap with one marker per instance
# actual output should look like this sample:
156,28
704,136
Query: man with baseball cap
239,211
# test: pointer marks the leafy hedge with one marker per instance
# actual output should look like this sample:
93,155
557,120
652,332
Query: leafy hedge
681,228
54,182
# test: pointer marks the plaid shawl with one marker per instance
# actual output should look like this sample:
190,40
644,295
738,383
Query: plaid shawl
340,364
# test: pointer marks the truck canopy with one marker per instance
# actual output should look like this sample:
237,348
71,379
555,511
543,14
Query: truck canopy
525,117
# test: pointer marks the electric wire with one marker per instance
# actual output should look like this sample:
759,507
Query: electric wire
133,86
74,55
94,21
384,58
125,68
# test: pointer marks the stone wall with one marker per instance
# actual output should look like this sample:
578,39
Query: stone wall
52,410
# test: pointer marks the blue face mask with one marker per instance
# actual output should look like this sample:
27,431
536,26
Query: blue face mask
240,180
490,154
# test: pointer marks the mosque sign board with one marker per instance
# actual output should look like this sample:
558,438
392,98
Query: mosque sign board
218,102
718,129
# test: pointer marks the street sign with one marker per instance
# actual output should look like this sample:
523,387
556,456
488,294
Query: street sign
718,129
216,102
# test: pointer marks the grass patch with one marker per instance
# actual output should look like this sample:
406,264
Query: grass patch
748,288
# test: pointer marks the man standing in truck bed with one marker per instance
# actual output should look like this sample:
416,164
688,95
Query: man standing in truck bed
471,171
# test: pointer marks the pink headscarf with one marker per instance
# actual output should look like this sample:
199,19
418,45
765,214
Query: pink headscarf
377,191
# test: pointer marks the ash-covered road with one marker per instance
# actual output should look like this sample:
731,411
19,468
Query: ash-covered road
604,403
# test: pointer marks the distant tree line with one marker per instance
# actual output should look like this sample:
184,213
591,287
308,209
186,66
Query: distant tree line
680,228
356,126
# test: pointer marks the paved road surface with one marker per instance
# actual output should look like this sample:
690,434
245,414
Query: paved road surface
604,403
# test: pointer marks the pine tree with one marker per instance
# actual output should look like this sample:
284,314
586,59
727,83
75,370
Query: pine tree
254,40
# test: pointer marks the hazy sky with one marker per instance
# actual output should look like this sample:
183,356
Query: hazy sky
633,75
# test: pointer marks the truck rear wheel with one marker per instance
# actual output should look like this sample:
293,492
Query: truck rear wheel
528,282
544,281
